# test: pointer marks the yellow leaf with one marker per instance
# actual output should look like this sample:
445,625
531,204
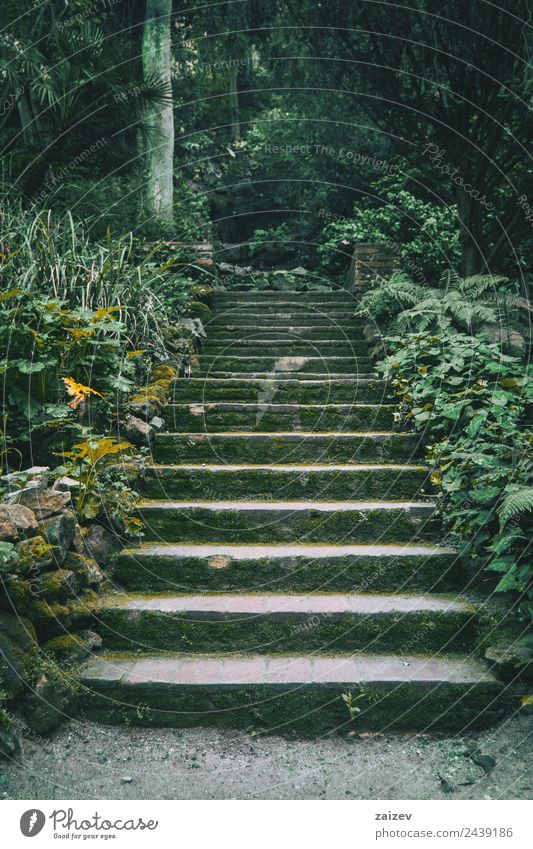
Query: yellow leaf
78,392
132,354
11,294
525,701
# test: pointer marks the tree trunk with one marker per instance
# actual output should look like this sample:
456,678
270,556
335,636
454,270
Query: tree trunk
234,105
158,136
470,226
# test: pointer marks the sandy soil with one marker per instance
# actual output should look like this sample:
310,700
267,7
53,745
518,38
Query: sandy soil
87,761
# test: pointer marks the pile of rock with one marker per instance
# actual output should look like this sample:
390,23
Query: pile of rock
50,574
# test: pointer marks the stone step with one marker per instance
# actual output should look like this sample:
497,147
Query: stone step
289,521
272,318
347,391
283,299
295,334
279,447
236,321
281,482
334,309
284,365
287,348
287,694
273,622
299,568
290,375
221,417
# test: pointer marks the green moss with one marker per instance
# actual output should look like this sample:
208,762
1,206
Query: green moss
351,573
280,391
271,484
403,633
264,449
254,419
198,524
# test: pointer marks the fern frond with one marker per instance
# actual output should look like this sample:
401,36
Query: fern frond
479,284
516,502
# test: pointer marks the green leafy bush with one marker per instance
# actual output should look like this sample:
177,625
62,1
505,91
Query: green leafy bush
471,402
425,235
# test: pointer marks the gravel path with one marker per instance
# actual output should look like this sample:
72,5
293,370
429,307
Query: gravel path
88,761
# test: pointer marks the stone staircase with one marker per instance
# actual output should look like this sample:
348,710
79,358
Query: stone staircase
291,552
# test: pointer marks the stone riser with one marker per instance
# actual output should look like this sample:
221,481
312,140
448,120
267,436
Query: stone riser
252,391
294,335
264,524
308,710
196,418
283,366
274,484
194,632
290,348
235,323
139,570
285,448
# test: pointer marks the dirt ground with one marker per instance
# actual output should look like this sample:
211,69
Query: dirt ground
88,761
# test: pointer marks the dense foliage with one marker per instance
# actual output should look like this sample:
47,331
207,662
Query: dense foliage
472,400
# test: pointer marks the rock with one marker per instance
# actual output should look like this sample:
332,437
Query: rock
66,484
137,431
16,522
164,371
510,662
18,647
59,531
73,647
157,423
84,566
77,542
58,585
44,709
9,743
53,619
34,477
100,544
34,555
225,268
146,404
300,271
44,502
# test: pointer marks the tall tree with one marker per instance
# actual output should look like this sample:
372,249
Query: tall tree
158,124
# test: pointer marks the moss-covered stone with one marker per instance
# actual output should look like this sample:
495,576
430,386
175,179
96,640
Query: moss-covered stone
403,632
278,484
261,391
309,710
218,418
53,619
140,571
285,448
202,524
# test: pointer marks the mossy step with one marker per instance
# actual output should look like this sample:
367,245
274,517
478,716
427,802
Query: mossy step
288,521
294,334
271,318
235,322
283,299
347,391
278,417
274,622
332,310
290,375
274,568
287,348
264,448
285,365
292,694
274,483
